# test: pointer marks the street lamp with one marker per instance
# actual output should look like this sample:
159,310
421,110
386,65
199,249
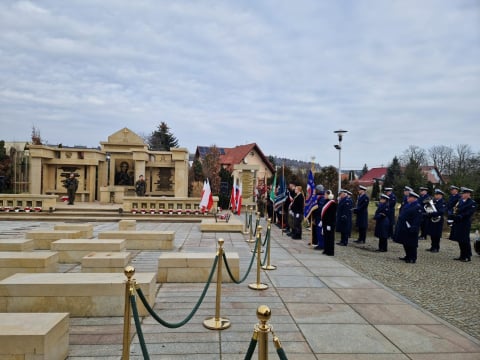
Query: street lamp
339,148
108,157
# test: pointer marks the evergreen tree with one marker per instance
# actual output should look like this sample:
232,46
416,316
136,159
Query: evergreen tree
162,139
364,169
376,190
413,175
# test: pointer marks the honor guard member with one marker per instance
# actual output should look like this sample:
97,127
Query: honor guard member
344,216
462,223
71,183
317,218
406,191
452,202
328,216
392,202
361,211
435,220
424,197
408,226
297,207
382,223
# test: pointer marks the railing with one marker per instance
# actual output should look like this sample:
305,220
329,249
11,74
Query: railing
27,202
163,205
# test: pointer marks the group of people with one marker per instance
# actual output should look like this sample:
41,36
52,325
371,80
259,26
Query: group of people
420,215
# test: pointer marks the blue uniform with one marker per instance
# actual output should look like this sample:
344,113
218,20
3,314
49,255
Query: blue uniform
344,219
392,202
462,223
435,224
362,217
452,201
407,228
382,225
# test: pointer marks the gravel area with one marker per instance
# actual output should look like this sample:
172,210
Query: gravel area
447,288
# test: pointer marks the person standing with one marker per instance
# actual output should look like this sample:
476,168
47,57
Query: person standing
72,186
392,202
435,221
317,232
362,214
328,219
140,186
382,223
424,197
406,191
297,208
452,202
408,226
344,216
462,223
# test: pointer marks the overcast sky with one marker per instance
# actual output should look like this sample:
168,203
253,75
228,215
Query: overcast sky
283,74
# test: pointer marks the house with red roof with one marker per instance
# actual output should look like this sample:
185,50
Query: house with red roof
368,179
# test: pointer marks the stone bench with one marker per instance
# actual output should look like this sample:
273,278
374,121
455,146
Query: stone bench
86,230
194,267
106,262
44,238
40,336
73,250
127,225
142,240
27,262
210,225
16,244
80,294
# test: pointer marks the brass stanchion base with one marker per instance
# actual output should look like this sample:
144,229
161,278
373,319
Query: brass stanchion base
250,240
216,324
261,251
269,267
256,286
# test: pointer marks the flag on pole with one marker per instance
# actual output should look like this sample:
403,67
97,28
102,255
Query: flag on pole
272,191
311,198
238,199
233,204
281,195
206,201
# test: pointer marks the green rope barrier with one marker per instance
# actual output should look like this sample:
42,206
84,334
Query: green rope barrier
281,354
267,238
138,326
257,222
252,346
194,310
225,260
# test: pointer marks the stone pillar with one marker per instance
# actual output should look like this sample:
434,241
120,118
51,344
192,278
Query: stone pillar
180,160
35,175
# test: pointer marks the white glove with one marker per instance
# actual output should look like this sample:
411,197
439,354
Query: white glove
297,215
329,228
319,224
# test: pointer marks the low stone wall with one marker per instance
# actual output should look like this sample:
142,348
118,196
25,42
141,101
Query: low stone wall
163,204
27,202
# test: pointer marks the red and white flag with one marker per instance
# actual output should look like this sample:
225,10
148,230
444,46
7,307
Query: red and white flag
206,201
238,199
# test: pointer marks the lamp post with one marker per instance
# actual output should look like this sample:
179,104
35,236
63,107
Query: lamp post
340,134
108,157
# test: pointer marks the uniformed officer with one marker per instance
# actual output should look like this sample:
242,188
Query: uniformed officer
408,226
329,213
361,210
71,183
344,216
424,197
392,202
317,233
406,191
297,207
435,220
452,202
382,222
462,223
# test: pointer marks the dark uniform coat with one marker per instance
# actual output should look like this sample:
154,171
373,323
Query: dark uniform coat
329,212
344,216
362,211
434,229
462,220
408,224
382,222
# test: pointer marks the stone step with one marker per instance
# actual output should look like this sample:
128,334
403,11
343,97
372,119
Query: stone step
40,336
12,262
86,230
80,294
72,251
142,240
106,261
16,244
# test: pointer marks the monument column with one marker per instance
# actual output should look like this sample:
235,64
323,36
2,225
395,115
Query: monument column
35,175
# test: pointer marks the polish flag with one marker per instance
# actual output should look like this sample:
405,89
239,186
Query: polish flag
206,202
233,203
238,200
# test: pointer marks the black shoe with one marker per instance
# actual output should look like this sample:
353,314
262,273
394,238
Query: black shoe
422,238
359,241
380,250
403,258
434,250
318,248
459,258
429,249
296,237
410,261
341,244
466,260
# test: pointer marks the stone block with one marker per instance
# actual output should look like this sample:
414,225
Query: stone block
194,267
80,294
44,238
16,244
233,225
106,261
127,225
86,230
73,250
12,262
40,336
142,240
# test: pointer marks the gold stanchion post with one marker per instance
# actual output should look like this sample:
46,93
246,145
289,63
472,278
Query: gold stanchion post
263,314
268,266
129,289
216,322
258,285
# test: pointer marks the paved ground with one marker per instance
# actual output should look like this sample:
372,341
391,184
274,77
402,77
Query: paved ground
322,307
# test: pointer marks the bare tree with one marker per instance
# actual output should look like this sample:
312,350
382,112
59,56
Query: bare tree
416,154
36,138
442,158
